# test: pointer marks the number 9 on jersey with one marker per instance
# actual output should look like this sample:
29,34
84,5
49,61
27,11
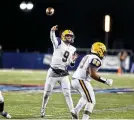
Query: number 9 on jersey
65,56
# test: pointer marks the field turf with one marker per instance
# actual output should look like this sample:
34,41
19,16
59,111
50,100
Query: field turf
27,104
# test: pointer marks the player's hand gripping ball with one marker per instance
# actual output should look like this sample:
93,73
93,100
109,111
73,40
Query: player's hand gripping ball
54,28
49,11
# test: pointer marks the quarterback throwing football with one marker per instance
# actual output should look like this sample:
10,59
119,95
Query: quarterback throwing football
64,55
83,75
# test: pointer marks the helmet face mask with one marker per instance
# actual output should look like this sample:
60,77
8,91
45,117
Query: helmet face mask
67,36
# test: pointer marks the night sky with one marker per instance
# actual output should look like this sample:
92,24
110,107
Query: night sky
86,18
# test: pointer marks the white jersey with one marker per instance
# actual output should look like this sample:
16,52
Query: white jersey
62,55
89,60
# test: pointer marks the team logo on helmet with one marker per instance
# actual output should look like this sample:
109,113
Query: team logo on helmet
99,49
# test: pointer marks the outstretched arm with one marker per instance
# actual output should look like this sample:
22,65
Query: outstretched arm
92,71
56,42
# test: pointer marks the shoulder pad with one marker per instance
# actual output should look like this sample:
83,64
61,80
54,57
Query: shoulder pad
95,62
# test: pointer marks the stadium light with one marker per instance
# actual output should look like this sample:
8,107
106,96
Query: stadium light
107,23
107,28
30,6
23,6
26,7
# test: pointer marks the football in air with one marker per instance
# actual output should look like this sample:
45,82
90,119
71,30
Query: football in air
50,11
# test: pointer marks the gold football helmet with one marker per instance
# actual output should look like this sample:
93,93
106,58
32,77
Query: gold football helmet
99,49
67,33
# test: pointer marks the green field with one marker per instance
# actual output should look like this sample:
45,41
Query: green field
26,105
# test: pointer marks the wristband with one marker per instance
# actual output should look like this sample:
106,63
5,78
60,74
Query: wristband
72,63
103,80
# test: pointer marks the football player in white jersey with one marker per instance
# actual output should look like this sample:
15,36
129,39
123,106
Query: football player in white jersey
86,71
64,55
2,112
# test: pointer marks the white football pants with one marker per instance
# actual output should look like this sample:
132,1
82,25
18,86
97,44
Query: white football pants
87,95
66,89
1,97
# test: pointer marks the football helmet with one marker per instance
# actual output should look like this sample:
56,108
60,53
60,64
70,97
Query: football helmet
67,33
99,49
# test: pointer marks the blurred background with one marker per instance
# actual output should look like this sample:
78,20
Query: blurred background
25,42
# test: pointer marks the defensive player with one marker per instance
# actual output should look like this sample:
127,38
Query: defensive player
86,71
2,112
64,55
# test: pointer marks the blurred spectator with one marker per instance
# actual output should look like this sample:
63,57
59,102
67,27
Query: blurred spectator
17,50
1,54
123,55
132,67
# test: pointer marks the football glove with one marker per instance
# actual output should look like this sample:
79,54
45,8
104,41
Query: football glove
109,82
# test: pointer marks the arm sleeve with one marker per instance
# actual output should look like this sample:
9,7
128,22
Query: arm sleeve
56,41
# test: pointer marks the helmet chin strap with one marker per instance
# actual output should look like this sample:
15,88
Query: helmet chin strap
68,42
